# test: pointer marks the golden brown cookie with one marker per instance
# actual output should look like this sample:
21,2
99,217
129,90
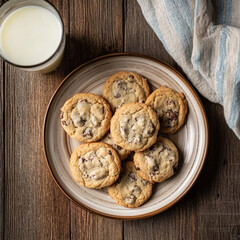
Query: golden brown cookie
135,126
130,190
86,117
122,153
157,163
95,165
171,108
125,87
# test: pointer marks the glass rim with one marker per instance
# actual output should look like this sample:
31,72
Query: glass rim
57,49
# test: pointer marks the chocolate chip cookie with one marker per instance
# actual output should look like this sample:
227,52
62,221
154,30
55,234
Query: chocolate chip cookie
157,163
135,126
95,165
86,117
130,190
171,108
122,153
125,87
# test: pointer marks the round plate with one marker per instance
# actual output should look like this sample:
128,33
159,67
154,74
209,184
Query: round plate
191,139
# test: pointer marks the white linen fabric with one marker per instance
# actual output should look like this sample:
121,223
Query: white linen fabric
203,37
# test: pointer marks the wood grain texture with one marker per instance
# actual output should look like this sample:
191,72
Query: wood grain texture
33,202
211,209
95,30
2,150
35,207
2,146
32,206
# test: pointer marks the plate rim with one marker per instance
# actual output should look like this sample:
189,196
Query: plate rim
206,126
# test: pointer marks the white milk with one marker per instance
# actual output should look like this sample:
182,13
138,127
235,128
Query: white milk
30,35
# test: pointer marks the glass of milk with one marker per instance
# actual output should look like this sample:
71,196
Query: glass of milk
32,35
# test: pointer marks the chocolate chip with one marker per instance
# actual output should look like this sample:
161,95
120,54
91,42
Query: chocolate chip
124,87
118,147
155,168
100,163
61,115
119,82
163,148
144,182
124,130
84,100
87,133
82,121
102,110
141,101
64,123
136,189
109,152
82,159
132,177
151,129
173,115
131,76
137,168
152,174
118,95
130,199
147,155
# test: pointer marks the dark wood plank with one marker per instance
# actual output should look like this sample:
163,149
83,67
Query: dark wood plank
90,226
2,146
96,29
139,37
2,150
34,206
211,209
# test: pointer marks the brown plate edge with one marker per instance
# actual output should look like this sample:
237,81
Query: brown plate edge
205,147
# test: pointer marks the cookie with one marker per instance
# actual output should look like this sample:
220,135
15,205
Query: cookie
135,126
86,117
95,165
125,87
171,108
157,163
122,153
130,190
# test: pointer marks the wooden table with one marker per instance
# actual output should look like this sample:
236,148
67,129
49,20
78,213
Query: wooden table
32,206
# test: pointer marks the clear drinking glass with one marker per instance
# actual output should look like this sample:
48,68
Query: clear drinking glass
54,60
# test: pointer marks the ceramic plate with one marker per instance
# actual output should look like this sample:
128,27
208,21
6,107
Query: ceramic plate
191,140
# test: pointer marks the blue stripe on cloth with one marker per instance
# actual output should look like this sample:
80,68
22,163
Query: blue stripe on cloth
197,59
235,109
183,31
197,8
153,22
185,8
220,73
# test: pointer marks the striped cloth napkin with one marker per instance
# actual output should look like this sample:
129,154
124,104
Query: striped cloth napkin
203,37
